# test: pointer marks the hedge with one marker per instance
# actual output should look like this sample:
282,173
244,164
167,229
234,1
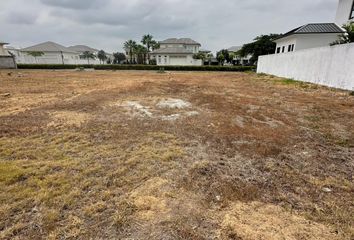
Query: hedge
139,67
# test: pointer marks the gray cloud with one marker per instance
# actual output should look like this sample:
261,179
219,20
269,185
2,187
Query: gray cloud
107,24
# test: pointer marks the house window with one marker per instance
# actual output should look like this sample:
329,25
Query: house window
292,47
278,50
165,59
283,50
352,12
159,59
289,48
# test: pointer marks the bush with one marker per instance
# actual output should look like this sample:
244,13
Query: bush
176,68
53,66
140,67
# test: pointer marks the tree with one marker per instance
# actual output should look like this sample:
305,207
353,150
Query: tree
221,58
155,45
262,45
226,56
347,37
129,47
102,56
35,54
88,55
141,53
148,41
200,55
118,57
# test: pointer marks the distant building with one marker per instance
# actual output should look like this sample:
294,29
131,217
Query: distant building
238,60
6,59
308,36
53,53
175,51
345,12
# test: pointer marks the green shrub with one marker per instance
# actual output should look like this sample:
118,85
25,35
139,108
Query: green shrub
140,67
52,66
176,68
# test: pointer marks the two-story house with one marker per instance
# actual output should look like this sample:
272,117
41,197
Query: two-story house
174,51
316,34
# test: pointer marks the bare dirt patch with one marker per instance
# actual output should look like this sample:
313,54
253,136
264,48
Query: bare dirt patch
142,155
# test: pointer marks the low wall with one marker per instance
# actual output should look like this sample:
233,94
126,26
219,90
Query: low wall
7,62
330,66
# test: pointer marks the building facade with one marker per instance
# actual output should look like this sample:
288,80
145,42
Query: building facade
178,52
308,36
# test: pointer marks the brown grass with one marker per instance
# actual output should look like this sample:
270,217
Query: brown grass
255,161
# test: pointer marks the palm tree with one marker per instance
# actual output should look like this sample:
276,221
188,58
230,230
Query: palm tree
148,41
129,47
88,55
102,56
35,54
141,52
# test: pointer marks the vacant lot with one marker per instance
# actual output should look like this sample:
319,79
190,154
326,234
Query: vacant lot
143,155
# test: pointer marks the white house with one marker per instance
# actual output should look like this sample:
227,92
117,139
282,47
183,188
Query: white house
83,48
53,53
345,12
238,60
309,57
175,51
308,36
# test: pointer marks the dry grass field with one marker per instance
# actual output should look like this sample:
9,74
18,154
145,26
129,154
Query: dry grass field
144,155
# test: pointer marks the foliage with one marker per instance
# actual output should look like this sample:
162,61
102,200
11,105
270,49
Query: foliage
200,55
129,47
101,55
140,52
88,55
150,44
262,45
35,54
222,56
347,37
118,57
139,67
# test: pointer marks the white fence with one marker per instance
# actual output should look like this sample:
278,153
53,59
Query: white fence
330,66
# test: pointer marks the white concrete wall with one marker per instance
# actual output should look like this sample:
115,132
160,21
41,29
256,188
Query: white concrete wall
3,52
329,66
344,11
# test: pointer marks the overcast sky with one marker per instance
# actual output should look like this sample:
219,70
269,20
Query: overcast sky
106,24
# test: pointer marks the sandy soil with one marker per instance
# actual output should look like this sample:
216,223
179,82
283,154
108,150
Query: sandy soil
179,155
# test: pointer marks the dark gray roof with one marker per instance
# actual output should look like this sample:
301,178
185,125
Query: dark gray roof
3,43
48,47
314,28
177,50
82,48
187,41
